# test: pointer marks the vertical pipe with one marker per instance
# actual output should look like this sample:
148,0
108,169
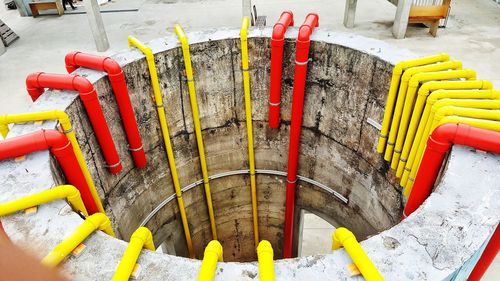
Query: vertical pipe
197,127
248,117
266,264
487,257
301,60
213,254
132,41
277,43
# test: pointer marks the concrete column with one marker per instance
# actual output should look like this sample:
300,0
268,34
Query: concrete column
401,19
247,8
96,25
349,13
301,232
168,247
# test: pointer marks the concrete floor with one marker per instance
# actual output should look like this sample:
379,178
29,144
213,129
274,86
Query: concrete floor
472,36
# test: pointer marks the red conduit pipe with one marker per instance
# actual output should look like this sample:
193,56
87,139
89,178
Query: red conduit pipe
62,150
277,42
36,84
74,60
489,254
301,60
438,144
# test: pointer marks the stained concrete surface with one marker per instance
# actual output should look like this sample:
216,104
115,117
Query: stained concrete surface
472,34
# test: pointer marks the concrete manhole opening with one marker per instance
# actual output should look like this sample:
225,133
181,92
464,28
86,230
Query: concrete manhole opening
342,180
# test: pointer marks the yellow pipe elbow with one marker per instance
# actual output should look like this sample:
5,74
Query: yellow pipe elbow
393,90
89,225
479,123
342,237
141,238
265,256
68,192
213,254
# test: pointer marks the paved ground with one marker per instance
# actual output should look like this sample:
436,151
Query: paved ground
472,36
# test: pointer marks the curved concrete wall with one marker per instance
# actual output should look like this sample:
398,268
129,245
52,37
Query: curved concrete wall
336,142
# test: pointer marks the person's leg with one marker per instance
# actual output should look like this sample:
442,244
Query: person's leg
71,4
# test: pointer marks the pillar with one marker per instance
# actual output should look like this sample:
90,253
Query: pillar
349,13
96,25
401,19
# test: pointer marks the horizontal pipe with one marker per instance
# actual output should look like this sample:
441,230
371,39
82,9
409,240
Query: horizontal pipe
243,172
265,256
439,143
94,222
116,77
197,126
141,238
401,97
67,128
212,255
390,102
62,150
277,43
342,237
36,84
299,83
68,192
423,127
134,42
416,114
413,85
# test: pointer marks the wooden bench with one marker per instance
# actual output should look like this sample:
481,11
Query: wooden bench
46,5
424,12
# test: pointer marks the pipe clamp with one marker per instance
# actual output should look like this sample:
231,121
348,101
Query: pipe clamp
135,149
275,103
113,165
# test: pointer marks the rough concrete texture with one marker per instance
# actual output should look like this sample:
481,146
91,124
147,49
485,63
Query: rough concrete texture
341,156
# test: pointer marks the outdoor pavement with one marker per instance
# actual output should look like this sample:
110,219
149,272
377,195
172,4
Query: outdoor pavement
472,35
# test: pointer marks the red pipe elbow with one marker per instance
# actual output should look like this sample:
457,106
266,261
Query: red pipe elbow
62,150
277,42
438,144
116,77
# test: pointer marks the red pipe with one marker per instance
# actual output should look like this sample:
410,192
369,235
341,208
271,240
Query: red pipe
36,84
277,42
489,254
301,60
438,145
118,83
62,150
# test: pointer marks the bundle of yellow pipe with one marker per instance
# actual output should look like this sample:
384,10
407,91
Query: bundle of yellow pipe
342,237
418,89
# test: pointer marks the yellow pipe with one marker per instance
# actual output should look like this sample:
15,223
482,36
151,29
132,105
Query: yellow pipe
133,42
197,127
342,237
68,192
141,238
423,93
413,85
393,90
266,264
213,254
400,100
63,119
422,126
92,223
248,117
479,123
461,107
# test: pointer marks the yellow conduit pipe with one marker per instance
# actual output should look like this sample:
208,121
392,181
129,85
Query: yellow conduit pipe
248,116
393,90
422,126
413,85
197,127
141,238
63,119
265,256
68,192
442,108
400,99
213,254
342,237
133,42
423,93
92,223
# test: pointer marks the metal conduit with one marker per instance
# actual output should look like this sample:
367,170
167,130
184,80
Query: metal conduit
242,172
